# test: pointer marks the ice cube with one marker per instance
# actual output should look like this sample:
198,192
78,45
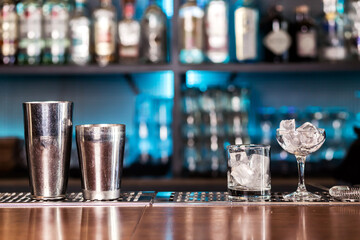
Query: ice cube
242,174
259,162
291,141
236,158
288,125
309,135
307,127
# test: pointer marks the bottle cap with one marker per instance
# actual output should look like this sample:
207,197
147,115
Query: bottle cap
302,9
279,7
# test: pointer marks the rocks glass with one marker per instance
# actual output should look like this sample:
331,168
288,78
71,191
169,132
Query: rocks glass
249,172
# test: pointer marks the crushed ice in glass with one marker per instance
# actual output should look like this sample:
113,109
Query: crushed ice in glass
251,172
288,125
299,140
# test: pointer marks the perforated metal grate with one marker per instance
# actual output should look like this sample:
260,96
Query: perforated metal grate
126,197
148,198
276,197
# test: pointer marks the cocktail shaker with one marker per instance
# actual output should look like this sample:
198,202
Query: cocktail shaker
101,153
48,134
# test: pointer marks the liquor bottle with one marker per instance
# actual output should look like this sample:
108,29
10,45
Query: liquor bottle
305,35
153,27
333,41
30,34
246,31
56,20
104,32
80,35
354,16
9,31
277,40
216,32
191,19
129,34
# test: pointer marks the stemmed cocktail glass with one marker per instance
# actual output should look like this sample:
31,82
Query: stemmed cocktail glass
301,142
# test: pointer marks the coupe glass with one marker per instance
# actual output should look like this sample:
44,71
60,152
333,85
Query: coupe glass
290,141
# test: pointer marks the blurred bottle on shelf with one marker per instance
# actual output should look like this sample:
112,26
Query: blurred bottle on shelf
268,124
212,120
336,145
191,129
216,31
277,40
145,129
332,39
153,27
354,18
305,35
237,115
191,20
246,30
164,146
8,31
80,35
129,34
104,19
56,14
151,147
30,33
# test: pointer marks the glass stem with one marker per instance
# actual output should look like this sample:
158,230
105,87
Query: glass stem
301,169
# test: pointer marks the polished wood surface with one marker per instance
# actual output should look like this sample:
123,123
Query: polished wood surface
189,223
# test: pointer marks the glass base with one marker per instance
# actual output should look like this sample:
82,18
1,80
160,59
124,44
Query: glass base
303,196
249,195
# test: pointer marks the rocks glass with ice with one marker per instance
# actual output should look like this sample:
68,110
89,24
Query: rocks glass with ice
248,172
301,142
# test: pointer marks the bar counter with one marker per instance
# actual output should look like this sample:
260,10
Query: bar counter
266,220
220,222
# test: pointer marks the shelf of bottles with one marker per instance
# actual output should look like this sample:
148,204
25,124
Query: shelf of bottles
215,34
59,32
211,31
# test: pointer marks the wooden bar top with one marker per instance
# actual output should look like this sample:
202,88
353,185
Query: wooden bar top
189,223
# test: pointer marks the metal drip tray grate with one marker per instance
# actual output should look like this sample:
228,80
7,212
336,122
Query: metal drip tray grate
147,198
223,197
135,198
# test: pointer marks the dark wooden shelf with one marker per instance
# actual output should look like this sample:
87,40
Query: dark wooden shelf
82,70
144,68
275,68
